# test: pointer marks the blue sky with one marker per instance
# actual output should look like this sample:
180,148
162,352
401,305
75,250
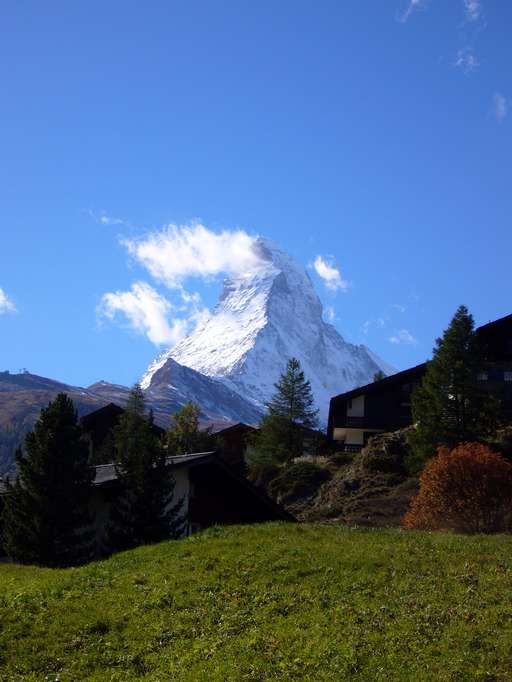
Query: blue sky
376,135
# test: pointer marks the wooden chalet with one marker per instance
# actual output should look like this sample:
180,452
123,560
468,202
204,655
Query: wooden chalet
381,406
385,405
212,493
232,443
97,428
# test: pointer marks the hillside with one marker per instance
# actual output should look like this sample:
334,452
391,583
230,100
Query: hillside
283,602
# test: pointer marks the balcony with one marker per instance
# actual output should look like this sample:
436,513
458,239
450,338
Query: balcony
356,422
352,449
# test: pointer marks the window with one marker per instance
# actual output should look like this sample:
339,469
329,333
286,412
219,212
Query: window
482,376
507,376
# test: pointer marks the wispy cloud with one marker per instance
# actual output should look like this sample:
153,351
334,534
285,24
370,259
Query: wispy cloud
6,304
466,60
146,312
380,322
330,313
105,219
108,220
500,106
472,9
329,273
412,7
402,336
181,251
398,306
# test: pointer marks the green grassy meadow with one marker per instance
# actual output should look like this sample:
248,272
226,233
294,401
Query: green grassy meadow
268,602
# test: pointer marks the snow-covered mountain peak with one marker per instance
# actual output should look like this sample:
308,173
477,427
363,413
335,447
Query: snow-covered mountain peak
264,316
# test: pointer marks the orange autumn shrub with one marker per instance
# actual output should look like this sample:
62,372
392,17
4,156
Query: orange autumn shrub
467,489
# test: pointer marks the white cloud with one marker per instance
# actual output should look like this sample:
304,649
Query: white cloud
171,255
181,251
146,311
105,219
402,336
500,106
380,322
466,60
411,7
330,314
108,220
6,304
473,9
330,274
399,307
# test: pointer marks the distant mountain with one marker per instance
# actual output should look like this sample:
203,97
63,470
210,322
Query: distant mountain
263,318
21,398
23,395
174,385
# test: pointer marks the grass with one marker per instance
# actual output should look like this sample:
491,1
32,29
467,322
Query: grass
269,602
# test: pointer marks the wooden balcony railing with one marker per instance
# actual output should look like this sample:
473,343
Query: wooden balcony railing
354,421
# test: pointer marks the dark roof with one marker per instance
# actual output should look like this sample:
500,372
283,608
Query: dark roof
88,420
113,411
502,320
106,473
235,427
376,386
418,369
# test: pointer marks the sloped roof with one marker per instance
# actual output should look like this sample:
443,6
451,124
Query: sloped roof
106,473
377,386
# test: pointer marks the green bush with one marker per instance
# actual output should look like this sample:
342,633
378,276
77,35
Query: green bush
297,480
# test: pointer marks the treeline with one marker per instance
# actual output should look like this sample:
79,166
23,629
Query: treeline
47,515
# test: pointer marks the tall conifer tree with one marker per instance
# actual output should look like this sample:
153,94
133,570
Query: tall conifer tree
450,406
45,517
291,413
142,513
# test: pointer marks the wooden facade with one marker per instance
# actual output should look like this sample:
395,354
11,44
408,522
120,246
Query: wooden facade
231,444
385,405
212,494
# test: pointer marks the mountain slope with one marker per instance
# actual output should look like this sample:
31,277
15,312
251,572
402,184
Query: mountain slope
263,318
23,395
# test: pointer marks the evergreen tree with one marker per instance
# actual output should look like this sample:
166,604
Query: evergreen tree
379,375
185,436
450,407
291,414
142,513
45,517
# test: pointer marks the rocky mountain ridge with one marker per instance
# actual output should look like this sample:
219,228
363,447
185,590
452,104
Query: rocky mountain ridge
264,317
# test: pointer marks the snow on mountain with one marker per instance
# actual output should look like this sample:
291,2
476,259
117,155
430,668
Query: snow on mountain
264,317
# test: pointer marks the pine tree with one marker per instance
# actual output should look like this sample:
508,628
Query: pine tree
291,414
45,517
449,407
185,436
142,513
379,375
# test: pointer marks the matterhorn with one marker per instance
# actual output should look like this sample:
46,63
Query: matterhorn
265,316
